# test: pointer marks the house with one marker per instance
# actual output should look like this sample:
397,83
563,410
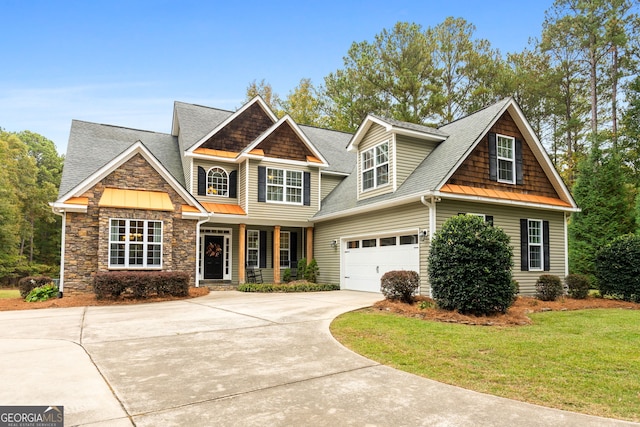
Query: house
226,191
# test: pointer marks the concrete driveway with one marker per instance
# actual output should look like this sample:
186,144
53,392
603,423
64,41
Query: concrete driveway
230,359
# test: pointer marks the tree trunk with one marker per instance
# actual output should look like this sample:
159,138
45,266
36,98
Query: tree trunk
593,85
614,100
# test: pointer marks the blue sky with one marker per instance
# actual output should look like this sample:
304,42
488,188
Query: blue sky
125,62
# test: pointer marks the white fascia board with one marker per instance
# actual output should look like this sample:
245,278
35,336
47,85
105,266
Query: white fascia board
258,99
362,131
60,207
199,156
195,215
137,148
343,174
371,207
491,201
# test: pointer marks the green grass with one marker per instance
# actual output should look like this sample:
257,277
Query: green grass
9,293
584,361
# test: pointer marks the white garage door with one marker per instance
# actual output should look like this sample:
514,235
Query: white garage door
366,260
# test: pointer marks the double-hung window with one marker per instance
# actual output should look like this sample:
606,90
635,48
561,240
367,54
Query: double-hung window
135,243
506,159
375,166
535,244
284,186
253,248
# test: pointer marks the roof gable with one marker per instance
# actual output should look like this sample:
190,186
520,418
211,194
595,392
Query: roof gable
285,140
138,148
240,129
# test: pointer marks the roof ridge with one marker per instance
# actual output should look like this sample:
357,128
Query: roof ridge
477,111
321,128
121,127
204,106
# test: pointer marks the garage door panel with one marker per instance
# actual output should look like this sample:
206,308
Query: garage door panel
364,267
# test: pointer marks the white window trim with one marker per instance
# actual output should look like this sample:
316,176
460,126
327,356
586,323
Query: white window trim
288,234
145,245
512,160
227,186
540,245
374,168
285,187
257,249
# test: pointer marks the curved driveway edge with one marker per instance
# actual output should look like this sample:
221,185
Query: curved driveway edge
230,359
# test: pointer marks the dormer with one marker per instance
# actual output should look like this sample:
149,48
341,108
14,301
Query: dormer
388,151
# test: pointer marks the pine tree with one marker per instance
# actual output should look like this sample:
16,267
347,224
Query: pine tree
602,193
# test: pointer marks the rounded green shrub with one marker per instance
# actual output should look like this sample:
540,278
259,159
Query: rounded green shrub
549,287
470,267
399,285
42,293
577,286
618,268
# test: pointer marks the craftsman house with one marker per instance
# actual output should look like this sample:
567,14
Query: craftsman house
226,194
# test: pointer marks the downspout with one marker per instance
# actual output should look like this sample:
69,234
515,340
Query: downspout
566,245
63,214
431,204
197,278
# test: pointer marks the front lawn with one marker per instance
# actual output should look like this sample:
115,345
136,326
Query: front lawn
9,293
583,361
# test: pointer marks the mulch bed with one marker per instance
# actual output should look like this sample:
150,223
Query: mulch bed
83,300
516,315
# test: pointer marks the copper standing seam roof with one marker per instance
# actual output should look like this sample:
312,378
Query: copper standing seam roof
502,195
136,199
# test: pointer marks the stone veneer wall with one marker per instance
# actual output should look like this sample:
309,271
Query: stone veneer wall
87,235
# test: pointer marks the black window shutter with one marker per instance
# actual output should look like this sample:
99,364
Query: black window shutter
545,245
493,158
519,173
489,219
263,249
262,184
233,184
524,245
293,249
307,189
202,181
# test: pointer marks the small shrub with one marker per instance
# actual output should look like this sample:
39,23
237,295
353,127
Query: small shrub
577,286
470,267
42,293
549,287
311,271
423,305
399,285
26,284
286,275
618,268
302,267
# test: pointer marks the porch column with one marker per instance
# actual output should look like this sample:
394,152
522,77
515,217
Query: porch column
242,251
276,254
309,243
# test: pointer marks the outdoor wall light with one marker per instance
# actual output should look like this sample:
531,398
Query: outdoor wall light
334,244
423,235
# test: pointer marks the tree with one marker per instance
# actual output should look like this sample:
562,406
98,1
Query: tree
264,90
607,210
303,104
393,76
44,226
9,206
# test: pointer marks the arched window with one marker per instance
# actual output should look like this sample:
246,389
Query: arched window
217,182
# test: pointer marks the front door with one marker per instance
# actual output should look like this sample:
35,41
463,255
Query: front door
213,257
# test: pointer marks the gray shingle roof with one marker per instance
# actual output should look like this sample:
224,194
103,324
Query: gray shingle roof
331,145
197,121
429,175
92,145
411,126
